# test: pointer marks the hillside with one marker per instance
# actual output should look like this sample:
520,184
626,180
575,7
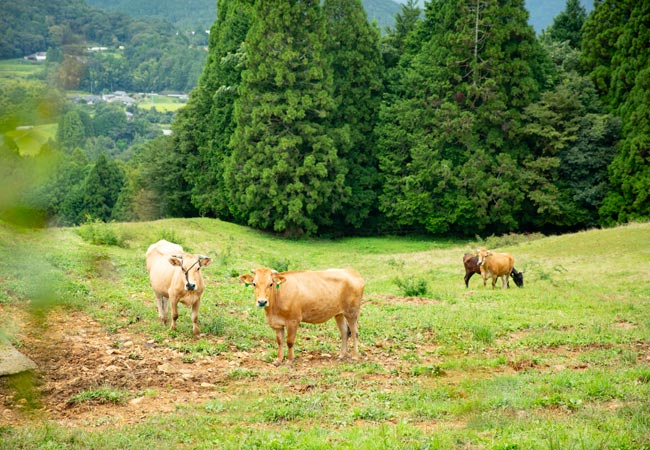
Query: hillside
560,363
199,14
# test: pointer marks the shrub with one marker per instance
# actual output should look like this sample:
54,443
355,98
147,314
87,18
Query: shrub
412,287
279,264
97,232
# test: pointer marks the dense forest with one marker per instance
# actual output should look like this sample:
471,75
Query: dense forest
459,120
137,55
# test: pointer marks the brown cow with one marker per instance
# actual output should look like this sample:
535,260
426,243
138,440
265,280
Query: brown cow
176,277
470,262
495,265
289,298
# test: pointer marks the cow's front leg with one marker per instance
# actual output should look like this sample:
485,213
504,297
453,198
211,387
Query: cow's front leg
292,329
279,338
195,318
162,303
174,304
494,281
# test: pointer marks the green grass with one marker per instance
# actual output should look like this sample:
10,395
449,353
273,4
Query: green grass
162,103
563,363
19,68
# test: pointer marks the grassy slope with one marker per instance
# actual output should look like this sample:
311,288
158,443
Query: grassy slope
562,363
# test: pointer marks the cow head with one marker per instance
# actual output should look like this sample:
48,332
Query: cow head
518,277
263,280
482,254
191,266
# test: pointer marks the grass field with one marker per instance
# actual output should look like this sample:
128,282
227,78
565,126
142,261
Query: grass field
30,140
563,363
162,103
18,68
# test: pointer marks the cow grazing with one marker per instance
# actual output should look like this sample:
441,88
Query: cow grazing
176,277
289,298
518,277
495,265
470,262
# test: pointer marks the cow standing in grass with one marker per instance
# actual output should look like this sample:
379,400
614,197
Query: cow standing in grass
470,261
495,265
289,298
175,277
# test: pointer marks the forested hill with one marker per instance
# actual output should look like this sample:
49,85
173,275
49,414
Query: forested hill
136,55
199,14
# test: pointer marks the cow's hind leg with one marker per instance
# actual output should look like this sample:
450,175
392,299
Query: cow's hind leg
174,303
342,324
467,277
292,329
353,326
162,303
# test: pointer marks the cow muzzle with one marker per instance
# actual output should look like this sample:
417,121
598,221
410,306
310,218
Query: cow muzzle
262,303
190,286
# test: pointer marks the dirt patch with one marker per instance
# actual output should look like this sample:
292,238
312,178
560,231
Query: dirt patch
75,355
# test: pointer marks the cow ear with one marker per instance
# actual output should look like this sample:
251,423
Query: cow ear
204,261
246,279
278,279
175,261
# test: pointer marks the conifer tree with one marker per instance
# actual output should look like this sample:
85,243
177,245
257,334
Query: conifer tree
450,145
284,171
352,46
567,26
616,50
71,133
101,189
203,129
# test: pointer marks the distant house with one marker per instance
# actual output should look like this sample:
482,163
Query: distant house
182,97
37,57
97,49
167,132
118,96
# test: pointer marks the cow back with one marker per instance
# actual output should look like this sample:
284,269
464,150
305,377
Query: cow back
317,296
500,263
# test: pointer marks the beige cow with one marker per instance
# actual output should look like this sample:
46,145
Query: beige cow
495,265
289,298
176,277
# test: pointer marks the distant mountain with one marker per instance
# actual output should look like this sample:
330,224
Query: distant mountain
542,12
200,14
